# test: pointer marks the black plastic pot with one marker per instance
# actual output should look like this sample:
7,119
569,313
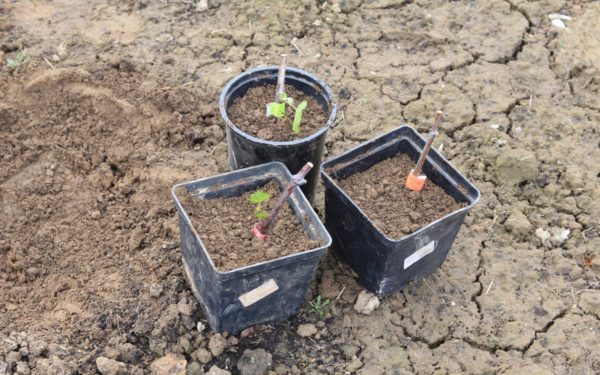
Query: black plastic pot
385,265
260,292
246,150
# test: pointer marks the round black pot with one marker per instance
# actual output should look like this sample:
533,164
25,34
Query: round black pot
245,150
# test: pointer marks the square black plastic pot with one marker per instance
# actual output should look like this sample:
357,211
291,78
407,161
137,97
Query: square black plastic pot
386,265
261,292
245,150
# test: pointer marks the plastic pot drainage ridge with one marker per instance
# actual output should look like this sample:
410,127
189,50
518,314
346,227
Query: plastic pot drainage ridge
245,150
257,293
386,265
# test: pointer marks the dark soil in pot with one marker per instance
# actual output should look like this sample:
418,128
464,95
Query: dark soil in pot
395,210
225,224
248,113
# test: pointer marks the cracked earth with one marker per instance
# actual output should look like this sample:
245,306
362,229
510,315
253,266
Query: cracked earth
118,101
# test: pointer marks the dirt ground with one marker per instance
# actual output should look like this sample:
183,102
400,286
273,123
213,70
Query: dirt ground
118,101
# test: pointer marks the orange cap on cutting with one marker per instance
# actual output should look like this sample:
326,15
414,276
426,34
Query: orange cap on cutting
414,182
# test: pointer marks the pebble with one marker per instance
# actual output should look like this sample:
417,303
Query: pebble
203,355
156,290
354,365
4,368
184,307
13,357
109,366
366,303
217,371
255,362
170,364
543,235
217,344
200,327
306,330
194,368
517,223
559,235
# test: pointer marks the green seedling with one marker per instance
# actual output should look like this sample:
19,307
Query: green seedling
259,198
318,305
260,229
19,59
278,107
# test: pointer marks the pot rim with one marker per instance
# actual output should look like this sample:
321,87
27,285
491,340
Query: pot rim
271,70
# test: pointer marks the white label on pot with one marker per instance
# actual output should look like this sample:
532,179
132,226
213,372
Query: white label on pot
417,255
258,293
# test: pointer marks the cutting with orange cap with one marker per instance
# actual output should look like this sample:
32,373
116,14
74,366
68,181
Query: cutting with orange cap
415,180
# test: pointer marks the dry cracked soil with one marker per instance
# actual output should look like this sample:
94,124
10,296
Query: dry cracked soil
117,100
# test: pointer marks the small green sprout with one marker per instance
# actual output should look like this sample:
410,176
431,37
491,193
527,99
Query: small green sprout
259,198
19,59
277,109
318,305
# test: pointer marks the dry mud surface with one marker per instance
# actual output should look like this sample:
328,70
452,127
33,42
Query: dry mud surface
125,106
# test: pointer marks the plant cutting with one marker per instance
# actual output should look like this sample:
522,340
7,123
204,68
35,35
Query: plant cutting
260,229
388,233
415,180
278,108
299,111
241,280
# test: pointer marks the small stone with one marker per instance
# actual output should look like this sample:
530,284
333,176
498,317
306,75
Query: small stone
559,235
8,345
306,330
217,344
13,357
22,368
543,235
55,58
232,341
203,355
95,215
515,166
354,365
194,368
170,364
366,303
185,344
129,353
62,50
184,307
200,327
201,6
255,362
518,223
4,368
52,366
108,366
217,371
57,350
156,290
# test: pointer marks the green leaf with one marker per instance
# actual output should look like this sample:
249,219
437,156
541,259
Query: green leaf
260,214
259,196
298,116
276,109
